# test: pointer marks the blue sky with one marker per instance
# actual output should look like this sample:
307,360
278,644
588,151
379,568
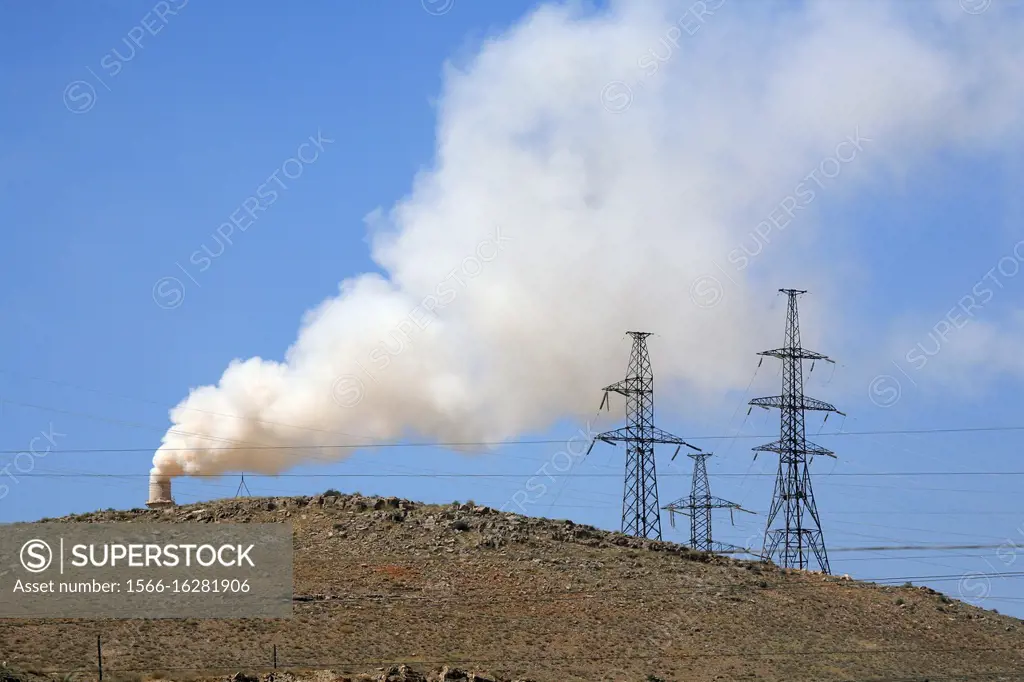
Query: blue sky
100,205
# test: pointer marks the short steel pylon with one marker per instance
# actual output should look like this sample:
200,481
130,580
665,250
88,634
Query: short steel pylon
242,486
698,505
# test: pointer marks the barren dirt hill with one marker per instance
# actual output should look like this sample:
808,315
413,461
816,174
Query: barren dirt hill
383,581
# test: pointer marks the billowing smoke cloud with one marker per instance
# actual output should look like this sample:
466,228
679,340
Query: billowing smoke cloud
600,172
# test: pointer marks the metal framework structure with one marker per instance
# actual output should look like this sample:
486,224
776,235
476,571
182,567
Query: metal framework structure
698,506
242,486
797,536
640,512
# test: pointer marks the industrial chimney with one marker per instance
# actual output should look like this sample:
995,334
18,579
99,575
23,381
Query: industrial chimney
159,491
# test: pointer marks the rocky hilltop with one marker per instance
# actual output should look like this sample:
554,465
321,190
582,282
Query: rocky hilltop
384,582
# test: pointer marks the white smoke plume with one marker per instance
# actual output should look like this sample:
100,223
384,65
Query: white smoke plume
592,168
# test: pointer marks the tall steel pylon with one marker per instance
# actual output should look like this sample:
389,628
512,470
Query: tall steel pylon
698,505
799,534
640,513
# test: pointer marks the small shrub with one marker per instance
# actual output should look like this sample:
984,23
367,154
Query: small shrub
900,601
908,584
331,492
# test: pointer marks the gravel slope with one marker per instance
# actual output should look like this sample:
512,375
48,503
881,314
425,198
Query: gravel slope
383,581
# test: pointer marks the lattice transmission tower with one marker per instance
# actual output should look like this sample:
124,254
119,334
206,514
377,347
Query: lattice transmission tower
797,535
640,512
698,505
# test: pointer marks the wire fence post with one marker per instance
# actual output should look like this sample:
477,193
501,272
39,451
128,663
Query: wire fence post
99,656
275,657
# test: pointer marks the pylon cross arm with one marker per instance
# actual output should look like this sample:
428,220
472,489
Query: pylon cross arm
627,387
805,403
796,354
628,434
719,503
788,448
681,506
666,437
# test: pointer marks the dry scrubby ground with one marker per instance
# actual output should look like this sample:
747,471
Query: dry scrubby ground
384,581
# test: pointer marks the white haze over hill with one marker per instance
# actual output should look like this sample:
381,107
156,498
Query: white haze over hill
561,212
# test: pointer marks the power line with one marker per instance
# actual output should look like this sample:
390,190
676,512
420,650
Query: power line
853,583
890,548
538,597
912,558
454,444
341,433
495,475
119,396
458,444
601,658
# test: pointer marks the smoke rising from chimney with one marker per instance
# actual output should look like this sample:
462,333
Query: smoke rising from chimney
561,212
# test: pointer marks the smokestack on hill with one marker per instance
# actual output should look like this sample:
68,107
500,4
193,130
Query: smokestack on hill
159,491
